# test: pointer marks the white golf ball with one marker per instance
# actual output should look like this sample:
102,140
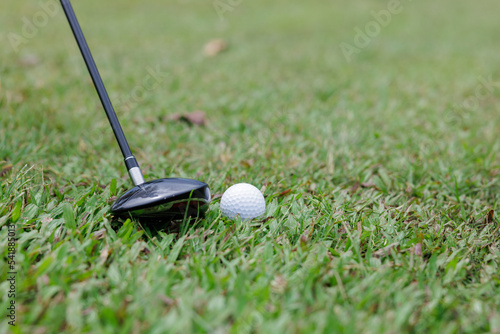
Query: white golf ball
242,199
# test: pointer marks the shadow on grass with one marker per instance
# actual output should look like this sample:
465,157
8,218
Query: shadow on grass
153,227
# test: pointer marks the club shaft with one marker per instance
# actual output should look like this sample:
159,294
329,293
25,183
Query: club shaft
130,161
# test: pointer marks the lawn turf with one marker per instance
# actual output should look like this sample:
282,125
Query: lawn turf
380,170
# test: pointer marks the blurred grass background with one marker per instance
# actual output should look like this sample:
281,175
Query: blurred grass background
284,62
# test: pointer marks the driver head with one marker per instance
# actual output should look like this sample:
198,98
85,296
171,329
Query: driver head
169,199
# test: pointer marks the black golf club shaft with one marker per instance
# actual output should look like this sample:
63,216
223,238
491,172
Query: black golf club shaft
130,161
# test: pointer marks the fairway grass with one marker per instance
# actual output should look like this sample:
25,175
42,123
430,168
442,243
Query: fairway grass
380,170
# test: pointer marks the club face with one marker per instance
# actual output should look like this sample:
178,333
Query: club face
169,199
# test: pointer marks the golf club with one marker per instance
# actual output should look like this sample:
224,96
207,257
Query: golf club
170,198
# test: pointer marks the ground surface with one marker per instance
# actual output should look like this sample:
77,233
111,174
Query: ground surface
377,155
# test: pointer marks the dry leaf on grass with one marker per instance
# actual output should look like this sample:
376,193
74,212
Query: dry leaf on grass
490,217
369,185
197,117
418,249
284,192
104,254
386,251
248,163
214,47
304,238
5,169
354,188
99,234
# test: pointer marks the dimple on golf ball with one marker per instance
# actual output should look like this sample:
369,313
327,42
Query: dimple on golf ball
242,199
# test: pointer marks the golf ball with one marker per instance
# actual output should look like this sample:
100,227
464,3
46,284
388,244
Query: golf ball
242,199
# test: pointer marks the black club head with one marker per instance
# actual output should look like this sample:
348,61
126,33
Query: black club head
169,199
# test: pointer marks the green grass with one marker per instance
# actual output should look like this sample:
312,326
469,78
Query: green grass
382,188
